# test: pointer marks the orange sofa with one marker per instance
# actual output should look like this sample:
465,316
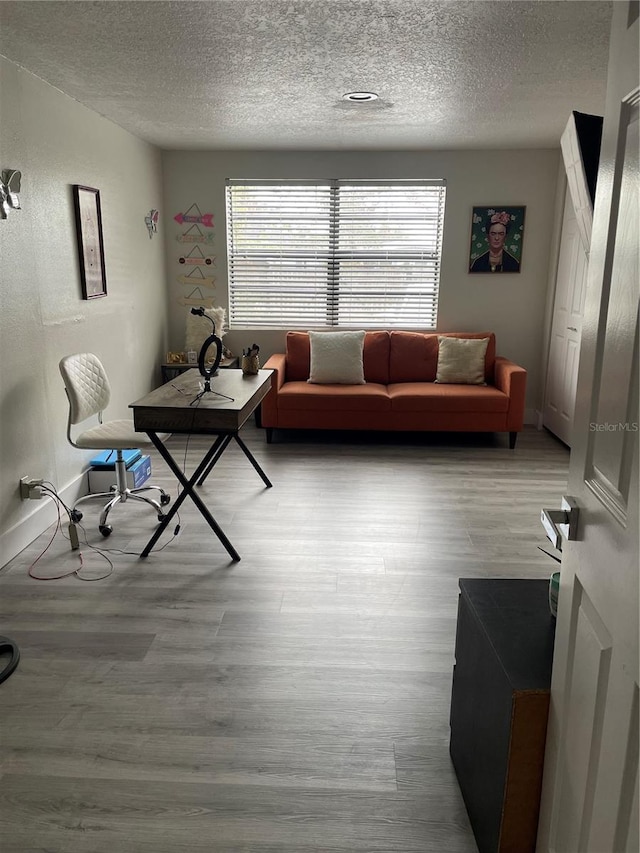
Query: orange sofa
400,391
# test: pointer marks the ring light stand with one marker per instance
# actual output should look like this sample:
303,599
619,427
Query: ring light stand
208,372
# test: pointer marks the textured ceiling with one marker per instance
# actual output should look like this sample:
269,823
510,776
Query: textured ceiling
270,73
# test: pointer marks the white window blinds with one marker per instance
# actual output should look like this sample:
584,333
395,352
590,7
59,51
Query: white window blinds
334,253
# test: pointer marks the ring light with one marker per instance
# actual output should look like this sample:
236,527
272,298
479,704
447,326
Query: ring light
207,373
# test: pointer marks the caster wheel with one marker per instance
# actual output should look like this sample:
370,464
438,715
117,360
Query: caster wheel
105,529
160,516
76,515
164,499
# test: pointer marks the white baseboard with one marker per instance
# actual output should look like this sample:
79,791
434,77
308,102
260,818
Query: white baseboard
43,514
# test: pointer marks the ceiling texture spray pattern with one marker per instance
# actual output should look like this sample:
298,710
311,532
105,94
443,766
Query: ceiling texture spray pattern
262,74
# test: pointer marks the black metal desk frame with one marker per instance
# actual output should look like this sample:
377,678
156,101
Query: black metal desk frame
224,437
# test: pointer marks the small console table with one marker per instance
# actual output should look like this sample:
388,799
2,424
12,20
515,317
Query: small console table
172,369
499,707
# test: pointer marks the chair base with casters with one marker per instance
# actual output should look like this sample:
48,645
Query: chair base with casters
119,494
88,391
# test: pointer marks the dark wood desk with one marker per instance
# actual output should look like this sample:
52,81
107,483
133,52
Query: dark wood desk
177,408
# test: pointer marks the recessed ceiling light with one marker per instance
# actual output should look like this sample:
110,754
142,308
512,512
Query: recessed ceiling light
360,97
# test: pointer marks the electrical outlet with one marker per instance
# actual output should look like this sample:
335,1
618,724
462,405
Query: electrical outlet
30,488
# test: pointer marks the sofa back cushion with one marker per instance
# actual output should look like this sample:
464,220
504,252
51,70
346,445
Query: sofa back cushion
375,357
414,355
389,356
298,356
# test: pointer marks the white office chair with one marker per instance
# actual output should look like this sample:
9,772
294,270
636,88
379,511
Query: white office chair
89,392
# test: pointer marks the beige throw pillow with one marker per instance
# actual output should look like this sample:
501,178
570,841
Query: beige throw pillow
461,360
336,358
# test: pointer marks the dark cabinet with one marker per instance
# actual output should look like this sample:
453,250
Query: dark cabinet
499,707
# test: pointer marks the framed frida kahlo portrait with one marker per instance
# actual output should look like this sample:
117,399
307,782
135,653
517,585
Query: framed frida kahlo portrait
90,246
497,236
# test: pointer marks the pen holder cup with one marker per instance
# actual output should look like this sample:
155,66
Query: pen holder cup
250,365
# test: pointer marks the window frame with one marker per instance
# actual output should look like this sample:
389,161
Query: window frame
332,255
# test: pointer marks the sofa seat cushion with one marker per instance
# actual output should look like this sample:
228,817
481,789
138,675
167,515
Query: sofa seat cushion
296,396
430,397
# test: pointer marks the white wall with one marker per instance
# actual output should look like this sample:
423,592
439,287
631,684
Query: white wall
55,142
512,306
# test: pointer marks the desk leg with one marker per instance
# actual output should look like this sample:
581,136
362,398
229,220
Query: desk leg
221,444
187,489
253,461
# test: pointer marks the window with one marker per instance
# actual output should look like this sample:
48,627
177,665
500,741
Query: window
360,254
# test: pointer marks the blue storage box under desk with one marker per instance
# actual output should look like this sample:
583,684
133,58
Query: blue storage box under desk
102,479
107,459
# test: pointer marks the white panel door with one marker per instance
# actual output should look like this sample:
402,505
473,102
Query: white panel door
566,328
590,788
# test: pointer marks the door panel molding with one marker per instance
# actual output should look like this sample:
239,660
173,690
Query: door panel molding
587,680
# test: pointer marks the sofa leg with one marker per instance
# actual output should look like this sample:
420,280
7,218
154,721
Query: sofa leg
269,435
512,440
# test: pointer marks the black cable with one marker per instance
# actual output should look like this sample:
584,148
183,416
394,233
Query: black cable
103,551
8,645
58,527
52,494
52,491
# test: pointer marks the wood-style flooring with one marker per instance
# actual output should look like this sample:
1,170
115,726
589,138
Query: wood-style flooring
294,702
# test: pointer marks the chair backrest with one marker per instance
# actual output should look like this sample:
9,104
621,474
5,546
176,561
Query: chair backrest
86,384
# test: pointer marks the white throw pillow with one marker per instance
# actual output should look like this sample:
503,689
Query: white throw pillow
336,358
461,360
199,328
